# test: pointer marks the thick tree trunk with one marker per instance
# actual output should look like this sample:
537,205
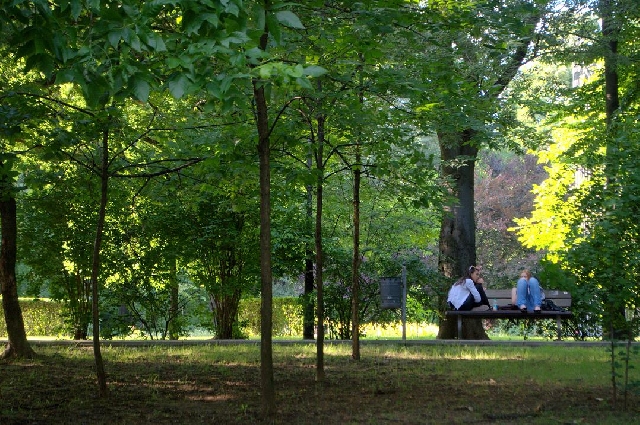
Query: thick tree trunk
457,234
458,230
227,314
18,346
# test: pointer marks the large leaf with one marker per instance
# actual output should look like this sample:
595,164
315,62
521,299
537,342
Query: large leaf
289,19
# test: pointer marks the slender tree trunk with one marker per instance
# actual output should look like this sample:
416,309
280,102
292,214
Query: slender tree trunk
266,310
104,186
308,306
18,346
355,267
610,31
355,263
174,328
614,312
80,296
319,252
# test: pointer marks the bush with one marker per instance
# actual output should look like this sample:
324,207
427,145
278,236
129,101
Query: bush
287,316
41,317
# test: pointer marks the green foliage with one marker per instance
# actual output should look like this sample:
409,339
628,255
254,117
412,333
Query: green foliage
287,316
586,211
41,318
375,61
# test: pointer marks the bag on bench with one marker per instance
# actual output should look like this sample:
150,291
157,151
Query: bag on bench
549,305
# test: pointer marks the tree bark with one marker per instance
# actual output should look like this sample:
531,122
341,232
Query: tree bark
614,313
80,299
17,346
174,327
355,267
95,267
308,304
226,314
319,252
458,229
266,306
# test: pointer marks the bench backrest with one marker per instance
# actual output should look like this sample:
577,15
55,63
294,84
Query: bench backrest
503,297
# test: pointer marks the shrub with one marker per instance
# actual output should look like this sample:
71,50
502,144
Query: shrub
41,317
287,316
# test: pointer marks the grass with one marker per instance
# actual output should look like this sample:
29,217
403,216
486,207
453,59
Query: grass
391,383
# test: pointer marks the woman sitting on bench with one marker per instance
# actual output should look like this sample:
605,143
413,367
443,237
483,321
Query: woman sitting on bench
468,292
528,293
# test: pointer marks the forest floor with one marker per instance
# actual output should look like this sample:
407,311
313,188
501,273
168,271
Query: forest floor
220,384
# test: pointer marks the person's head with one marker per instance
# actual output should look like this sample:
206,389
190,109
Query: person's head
474,273
525,274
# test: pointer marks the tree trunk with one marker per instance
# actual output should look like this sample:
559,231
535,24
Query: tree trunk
355,268
95,268
319,252
458,233
18,346
174,325
458,230
80,300
227,314
308,304
266,309
614,313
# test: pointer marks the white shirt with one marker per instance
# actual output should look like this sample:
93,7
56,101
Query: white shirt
458,294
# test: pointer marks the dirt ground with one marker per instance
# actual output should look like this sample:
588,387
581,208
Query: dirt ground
60,388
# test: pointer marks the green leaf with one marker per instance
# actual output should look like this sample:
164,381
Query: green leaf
65,76
76,9
296,71
212,18
154,41
114,37
141,90
304,83
314,71
93,5
178,85
274,28
232,9
289,19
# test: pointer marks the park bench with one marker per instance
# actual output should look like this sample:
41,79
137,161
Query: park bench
503,299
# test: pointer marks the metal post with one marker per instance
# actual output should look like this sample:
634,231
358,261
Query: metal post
404,303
